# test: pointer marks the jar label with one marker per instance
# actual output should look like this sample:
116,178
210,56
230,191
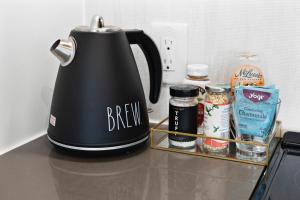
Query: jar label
200,118
182,119
201,98
216,123
247,74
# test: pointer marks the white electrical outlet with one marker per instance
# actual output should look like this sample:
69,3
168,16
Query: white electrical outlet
171,39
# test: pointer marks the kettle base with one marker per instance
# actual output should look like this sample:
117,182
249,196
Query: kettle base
94,149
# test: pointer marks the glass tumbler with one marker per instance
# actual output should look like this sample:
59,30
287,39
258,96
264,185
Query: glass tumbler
251,151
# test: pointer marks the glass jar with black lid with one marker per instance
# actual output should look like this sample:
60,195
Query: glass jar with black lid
183,115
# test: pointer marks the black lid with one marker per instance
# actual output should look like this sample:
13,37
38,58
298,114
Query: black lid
184,90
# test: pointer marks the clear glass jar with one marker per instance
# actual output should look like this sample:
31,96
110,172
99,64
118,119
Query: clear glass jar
216,118
247,72
183,115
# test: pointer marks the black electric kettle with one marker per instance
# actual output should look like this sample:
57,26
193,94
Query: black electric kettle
98,102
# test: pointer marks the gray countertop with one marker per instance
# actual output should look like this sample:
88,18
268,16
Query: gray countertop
37,171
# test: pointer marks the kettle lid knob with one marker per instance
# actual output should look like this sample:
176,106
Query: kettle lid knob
97,22
97,26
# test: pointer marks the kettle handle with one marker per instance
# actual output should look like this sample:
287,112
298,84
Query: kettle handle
153,59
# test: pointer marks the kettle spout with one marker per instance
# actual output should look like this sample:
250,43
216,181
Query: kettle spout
64,50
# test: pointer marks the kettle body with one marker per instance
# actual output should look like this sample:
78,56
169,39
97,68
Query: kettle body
98,102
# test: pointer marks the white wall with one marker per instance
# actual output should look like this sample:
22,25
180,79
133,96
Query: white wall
27,70
218,30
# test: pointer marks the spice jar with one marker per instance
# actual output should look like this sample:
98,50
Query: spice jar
183,115
216,117
197,74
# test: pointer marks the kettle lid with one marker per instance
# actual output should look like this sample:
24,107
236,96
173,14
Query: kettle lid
97,26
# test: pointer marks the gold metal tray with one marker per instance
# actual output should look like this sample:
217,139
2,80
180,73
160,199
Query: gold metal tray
159,140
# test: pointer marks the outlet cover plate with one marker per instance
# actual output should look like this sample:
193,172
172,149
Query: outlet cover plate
174,60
